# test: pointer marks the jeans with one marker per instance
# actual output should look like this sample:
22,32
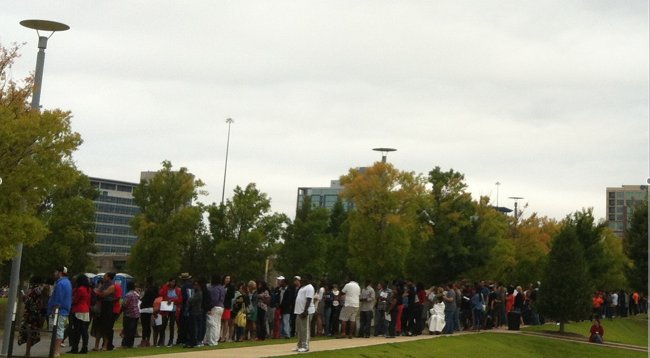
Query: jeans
286,325
380,325
450,321
171,319
78,330
145,321
366,323
130,327
261,324
327,314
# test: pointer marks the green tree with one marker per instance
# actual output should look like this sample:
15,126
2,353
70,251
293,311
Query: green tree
69,212
381,225
531,242
565,291
245,232
497,250
167,223
35,157
336,250
635,243
603,265
453,246
304,248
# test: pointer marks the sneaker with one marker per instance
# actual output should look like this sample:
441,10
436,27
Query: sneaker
303,350
295,349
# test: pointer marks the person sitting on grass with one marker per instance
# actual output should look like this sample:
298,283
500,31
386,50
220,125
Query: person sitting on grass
597,332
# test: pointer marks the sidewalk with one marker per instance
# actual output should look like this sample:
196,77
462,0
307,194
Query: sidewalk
275,350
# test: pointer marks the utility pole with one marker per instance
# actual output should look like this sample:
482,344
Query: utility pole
225,169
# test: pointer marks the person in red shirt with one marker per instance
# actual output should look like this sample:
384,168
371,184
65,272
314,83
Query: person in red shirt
597,303
80,315
597,332
170,294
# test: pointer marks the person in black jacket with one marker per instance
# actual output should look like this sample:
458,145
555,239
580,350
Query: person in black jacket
287,301
146,310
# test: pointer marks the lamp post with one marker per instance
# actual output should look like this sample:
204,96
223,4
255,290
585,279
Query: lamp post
515,198
498,184
38,25
384,152
225,169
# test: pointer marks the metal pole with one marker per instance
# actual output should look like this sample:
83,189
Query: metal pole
38,76
55,324
498,185
10,351
14,280
225,169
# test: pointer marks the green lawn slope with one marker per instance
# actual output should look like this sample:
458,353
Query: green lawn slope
630,330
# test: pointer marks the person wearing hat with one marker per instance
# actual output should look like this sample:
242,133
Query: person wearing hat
61,301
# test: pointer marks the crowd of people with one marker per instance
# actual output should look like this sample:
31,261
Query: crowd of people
191,312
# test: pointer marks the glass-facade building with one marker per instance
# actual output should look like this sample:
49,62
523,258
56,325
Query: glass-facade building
621,202
114,208
322,197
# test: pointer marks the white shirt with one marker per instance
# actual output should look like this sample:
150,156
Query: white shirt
614,299
352,292
304,293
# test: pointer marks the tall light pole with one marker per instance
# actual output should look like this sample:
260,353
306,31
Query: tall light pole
38,25
516,198
225,169
384,152
498,184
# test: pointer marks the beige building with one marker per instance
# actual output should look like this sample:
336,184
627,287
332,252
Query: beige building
621,202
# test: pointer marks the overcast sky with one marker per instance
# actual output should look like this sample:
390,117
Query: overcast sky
550,98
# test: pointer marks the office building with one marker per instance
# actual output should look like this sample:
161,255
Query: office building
114,208
322,197
621,202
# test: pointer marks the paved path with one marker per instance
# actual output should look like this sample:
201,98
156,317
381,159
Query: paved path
275,350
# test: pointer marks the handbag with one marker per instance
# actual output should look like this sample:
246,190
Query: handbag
240,319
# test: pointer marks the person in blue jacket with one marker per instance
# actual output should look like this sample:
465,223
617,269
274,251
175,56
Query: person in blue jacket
61,299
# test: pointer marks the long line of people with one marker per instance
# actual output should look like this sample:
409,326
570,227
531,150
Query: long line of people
189,312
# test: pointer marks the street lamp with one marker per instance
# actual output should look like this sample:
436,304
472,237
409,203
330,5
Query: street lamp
38,25
225,169
515,198
384,152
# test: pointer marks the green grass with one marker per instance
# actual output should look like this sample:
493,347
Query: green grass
630,330
484,345
137,352
3,308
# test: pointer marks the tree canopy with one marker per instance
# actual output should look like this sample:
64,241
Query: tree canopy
168,221
35,158
636,248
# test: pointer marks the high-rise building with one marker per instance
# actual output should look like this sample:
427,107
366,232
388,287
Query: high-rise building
114,208
621,202
322,197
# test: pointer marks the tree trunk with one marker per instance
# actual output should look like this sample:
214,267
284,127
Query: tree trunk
561,326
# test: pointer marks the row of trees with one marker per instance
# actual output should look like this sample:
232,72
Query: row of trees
428,228
403,225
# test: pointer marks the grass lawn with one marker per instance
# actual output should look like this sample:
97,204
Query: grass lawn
179,350
630,330
484,345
